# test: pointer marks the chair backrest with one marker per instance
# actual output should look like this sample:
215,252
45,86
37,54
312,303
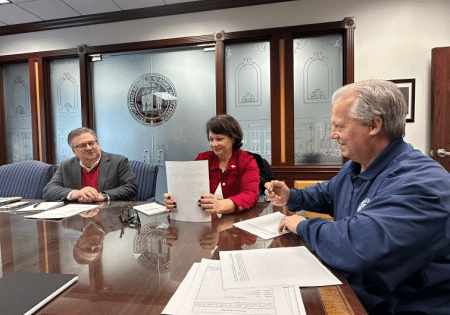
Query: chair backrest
265,171
145,178
26,179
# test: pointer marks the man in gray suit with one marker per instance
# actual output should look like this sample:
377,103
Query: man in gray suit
92,175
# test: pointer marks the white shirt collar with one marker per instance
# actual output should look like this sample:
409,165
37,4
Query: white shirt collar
92,167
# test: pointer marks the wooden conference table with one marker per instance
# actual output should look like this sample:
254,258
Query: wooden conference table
138,268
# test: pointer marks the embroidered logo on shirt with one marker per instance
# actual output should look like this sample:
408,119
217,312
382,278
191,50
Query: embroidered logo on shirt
363,204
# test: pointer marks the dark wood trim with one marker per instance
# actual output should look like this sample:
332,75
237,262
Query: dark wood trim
349,50
87,108
3,155
135,14
295,31
220,75
153,44
34,112
62,53
275,110
289,100
47,126
289,174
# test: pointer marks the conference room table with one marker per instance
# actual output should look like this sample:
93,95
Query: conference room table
137,263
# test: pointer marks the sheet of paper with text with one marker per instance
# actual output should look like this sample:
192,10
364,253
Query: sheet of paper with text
187,181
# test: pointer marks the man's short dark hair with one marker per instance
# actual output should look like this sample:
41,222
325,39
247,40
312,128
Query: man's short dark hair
79,131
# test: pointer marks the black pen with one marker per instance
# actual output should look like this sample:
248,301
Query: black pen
36,205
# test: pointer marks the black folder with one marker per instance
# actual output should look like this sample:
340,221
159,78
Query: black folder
23,293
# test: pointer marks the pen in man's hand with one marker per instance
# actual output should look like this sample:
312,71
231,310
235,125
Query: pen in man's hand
36,205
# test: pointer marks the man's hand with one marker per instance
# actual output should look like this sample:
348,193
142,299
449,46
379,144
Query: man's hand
87,194
277,192
290,223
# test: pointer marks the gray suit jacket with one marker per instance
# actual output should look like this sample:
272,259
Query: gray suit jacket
115,178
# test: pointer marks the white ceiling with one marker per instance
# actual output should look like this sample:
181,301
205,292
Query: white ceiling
28,11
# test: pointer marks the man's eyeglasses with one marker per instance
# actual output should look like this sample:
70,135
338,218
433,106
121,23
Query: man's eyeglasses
84,145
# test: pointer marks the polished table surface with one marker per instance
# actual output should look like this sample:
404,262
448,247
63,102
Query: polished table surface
135,268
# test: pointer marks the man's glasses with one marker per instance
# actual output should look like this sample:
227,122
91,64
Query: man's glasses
84,145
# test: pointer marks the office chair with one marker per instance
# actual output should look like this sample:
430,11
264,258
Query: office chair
26,179
145,178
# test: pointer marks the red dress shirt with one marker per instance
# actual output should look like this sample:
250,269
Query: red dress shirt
240,180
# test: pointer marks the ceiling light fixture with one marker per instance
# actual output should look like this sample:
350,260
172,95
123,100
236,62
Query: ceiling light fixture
4,1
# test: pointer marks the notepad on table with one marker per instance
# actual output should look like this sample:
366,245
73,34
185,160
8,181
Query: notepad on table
23,293
42,206
151,208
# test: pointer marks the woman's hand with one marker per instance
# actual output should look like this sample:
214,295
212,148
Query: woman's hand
170,203
211,204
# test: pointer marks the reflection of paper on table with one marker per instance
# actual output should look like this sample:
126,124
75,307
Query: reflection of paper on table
265,226
63,212
205,296
274,267
187,182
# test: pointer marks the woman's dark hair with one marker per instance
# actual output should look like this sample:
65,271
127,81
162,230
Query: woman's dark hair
226,125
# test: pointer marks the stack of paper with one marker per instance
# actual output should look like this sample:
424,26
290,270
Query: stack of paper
8,200
150,208
201,293
63,212
258,281
14,205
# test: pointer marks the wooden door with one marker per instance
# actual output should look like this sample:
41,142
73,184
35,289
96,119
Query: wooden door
440,106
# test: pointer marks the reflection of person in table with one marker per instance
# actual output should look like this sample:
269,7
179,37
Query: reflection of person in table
391,206
233,173
95,225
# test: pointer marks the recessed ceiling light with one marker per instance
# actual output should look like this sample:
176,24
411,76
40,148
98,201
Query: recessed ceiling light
4,1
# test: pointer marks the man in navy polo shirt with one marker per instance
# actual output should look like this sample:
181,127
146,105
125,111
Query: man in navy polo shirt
390,236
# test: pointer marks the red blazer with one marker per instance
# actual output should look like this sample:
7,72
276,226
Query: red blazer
240,180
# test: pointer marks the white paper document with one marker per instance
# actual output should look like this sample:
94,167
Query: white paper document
205,295
151,208
265,226
42,206
63,212
187,181
273,267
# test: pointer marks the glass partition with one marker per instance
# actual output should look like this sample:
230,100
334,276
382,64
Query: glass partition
16,87
153,105
66,103
247,73
318,72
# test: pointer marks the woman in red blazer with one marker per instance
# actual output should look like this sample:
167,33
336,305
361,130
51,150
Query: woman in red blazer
233,173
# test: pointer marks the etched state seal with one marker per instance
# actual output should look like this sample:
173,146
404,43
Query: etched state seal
152,99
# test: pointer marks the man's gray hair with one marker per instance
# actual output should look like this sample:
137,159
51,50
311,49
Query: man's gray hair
377,98
79,131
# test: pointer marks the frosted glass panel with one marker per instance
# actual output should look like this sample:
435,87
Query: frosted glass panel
248,93
16,87
154,106
66,103
318,72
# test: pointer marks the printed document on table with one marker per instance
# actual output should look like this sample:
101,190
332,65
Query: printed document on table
63,212
187,181
265,226
273,267
206,296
